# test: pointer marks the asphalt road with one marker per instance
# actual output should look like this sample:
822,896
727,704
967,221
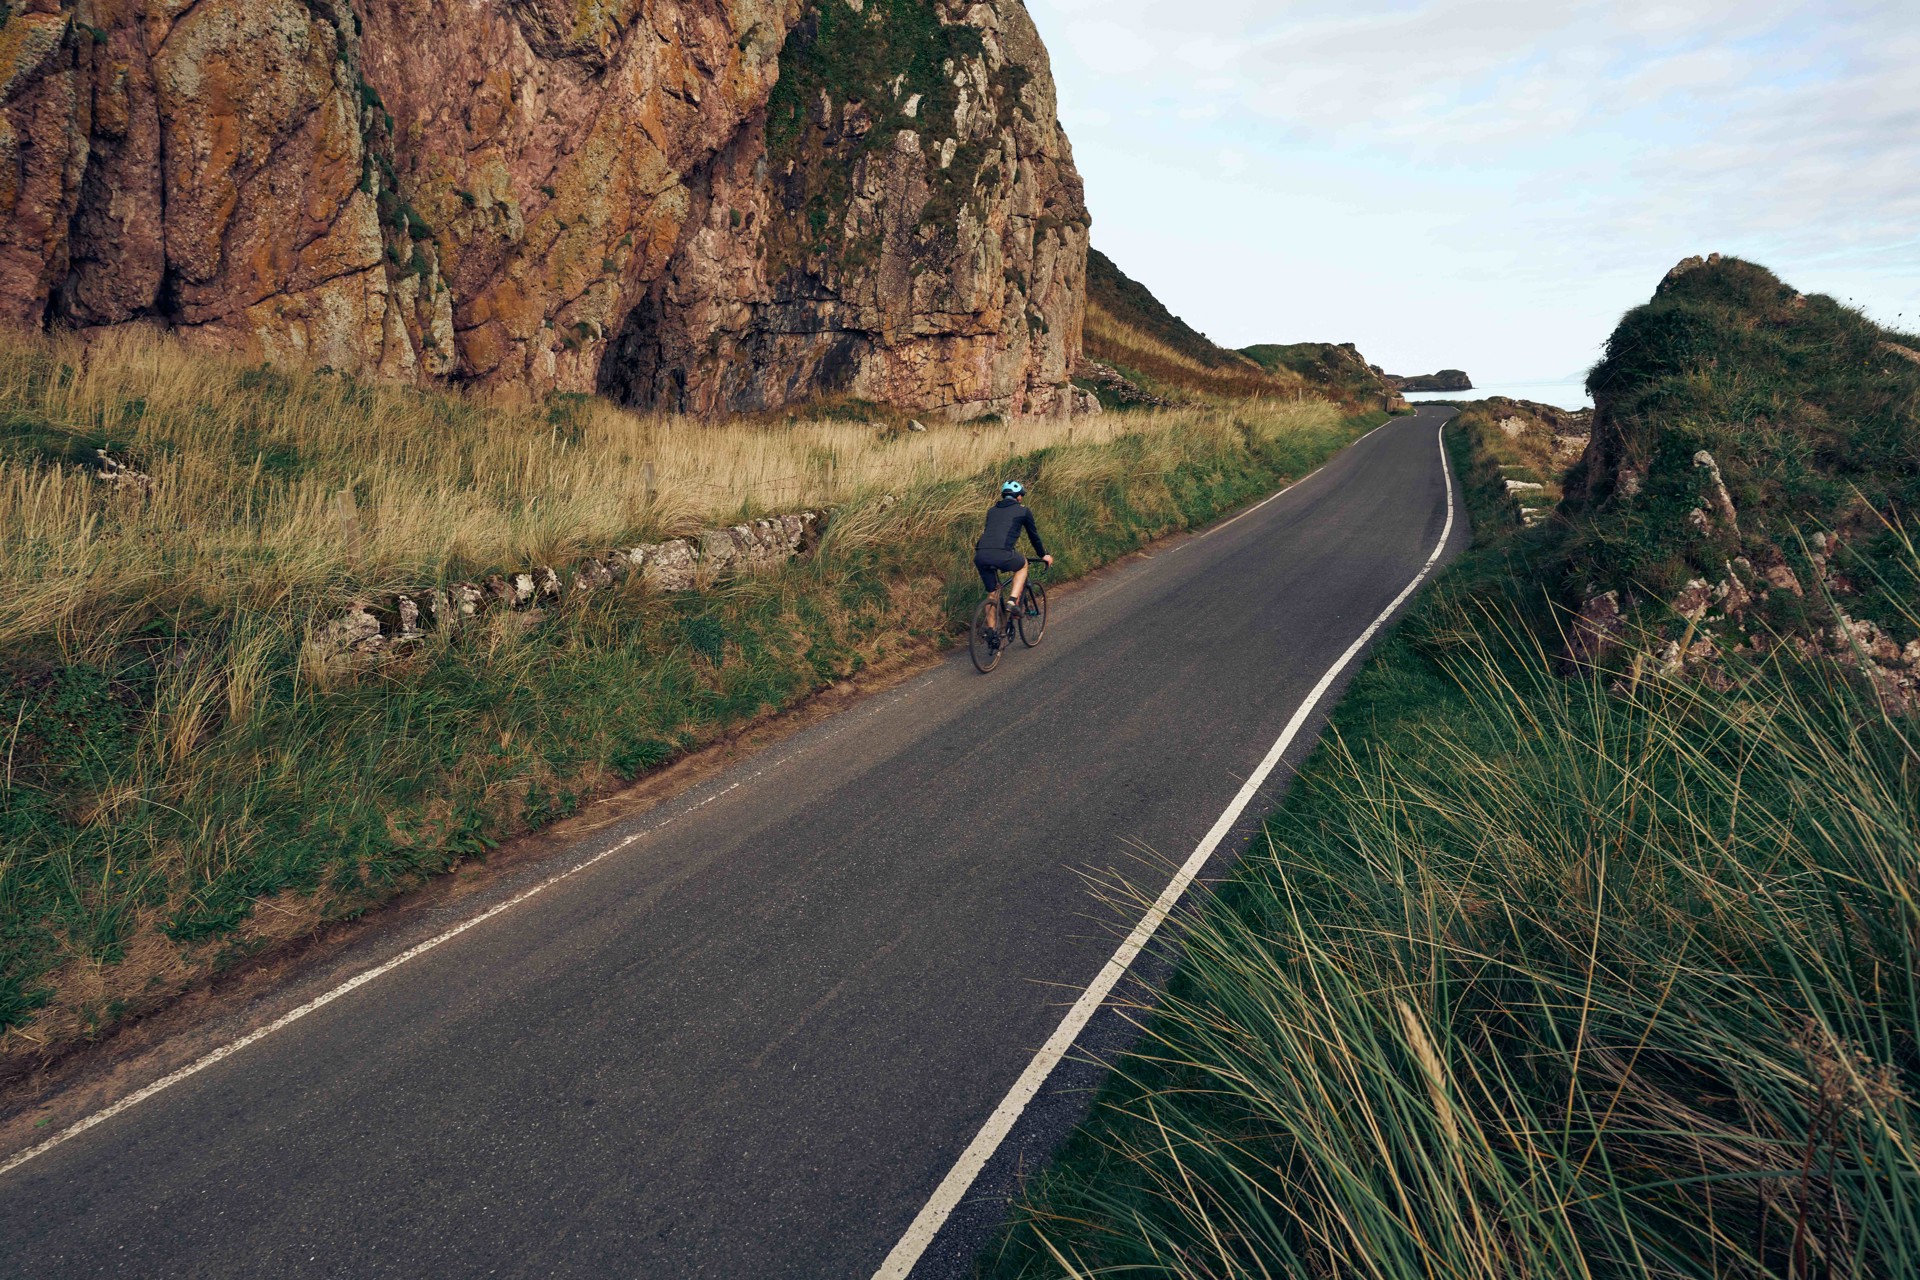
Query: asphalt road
751,1041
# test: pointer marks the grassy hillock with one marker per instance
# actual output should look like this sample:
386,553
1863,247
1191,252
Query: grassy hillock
1808,411
1337,366
1552,971
188,780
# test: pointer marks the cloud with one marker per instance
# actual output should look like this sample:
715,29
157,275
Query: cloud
1528,143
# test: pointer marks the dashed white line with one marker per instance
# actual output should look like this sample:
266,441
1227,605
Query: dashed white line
947,1196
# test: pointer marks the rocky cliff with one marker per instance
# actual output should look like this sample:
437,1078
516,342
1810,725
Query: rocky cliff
903,223
694,204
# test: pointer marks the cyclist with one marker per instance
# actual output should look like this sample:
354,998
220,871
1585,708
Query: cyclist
994,555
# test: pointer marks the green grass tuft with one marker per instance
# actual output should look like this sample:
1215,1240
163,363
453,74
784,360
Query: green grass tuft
1531,979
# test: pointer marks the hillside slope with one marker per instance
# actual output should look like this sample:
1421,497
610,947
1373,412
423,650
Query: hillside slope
1338,366
695,204
1132,332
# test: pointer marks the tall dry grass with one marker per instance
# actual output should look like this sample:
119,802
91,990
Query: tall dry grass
1112,340
299,486
184,785
1533,978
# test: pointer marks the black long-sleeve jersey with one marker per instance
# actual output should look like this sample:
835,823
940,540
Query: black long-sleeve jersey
1005,520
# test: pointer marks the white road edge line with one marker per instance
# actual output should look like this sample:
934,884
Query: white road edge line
947,1196
227,1050
1208,533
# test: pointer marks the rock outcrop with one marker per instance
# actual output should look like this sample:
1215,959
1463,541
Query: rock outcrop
1338,367
696,204
1557,438
1746,475
1111,387
1445,380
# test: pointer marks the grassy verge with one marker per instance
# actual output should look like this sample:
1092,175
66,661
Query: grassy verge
1530,977
180,792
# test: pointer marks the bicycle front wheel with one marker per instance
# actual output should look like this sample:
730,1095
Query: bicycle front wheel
1033,615
983,640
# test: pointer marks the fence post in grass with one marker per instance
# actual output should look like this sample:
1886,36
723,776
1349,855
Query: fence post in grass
349,513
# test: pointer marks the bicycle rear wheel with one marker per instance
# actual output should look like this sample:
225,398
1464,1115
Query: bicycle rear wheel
983,641
1033,615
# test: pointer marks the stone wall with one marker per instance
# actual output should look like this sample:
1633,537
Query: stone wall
391,623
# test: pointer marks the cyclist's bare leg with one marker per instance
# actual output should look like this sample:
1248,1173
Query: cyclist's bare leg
1019,585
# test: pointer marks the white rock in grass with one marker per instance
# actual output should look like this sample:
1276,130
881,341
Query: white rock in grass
669,566
119,475
1717,491
355,629
406,611
591,575
721,549
435,608
468,599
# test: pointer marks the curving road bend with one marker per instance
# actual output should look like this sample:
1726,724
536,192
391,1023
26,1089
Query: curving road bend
756,1027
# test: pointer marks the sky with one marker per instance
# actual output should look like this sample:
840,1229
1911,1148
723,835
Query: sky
1488,184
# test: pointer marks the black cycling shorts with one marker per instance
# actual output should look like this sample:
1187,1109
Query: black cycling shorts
992,564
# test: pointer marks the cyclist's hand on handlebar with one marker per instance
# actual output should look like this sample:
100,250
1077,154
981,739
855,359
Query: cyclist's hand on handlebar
1047,559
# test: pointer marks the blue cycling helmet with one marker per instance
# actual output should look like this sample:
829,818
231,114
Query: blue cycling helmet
1012,489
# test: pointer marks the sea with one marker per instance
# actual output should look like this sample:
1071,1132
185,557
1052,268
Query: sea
1570,394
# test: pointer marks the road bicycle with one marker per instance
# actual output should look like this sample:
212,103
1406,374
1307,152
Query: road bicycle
987,641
